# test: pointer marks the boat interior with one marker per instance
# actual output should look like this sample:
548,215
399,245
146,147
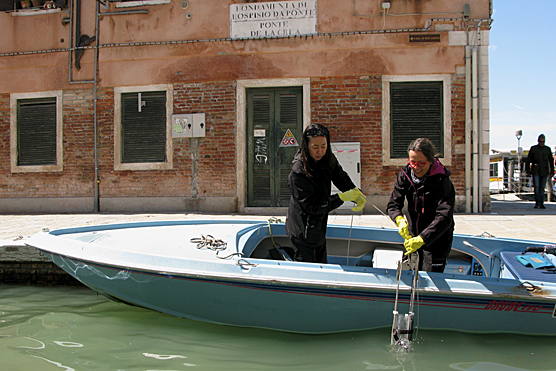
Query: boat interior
382,249
355,252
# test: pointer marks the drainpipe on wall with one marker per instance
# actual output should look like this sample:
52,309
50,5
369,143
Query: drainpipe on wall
480,125
475,118
468,127
73,49
95,119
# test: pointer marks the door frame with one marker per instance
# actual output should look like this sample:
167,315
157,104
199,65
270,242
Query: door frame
241,128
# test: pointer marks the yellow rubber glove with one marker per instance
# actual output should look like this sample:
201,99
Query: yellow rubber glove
402,225
361,201
413,244
350,195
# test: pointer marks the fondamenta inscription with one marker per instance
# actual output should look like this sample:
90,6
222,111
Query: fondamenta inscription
273,19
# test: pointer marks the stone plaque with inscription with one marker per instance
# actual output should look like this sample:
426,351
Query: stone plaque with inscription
273,19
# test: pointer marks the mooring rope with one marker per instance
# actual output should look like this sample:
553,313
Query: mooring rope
209,242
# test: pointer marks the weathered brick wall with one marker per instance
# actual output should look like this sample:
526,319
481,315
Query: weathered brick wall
202,166
458,135
79,136
77,177
35,273
215,165
351,107
4,143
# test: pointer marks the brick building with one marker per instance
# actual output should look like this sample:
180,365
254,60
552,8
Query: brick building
161,105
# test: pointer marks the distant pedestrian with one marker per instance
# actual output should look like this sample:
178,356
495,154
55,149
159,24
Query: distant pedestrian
540,164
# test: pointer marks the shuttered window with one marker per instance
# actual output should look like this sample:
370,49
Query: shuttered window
416,111
36,132
143,127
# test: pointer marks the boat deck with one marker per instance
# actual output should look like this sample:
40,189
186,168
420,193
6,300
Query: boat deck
520,271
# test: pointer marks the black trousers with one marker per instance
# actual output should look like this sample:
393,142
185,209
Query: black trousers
309,253
432,262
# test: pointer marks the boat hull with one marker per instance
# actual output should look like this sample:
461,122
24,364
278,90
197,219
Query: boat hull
310,306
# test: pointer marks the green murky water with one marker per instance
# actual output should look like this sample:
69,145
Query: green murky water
62,328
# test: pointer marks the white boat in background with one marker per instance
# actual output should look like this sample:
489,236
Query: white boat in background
507,173
220,271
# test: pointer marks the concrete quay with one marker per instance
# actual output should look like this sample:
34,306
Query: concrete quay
510,218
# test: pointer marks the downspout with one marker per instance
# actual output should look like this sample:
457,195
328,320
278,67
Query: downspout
480,173
71,41
81,40
475,119
468,128
95,118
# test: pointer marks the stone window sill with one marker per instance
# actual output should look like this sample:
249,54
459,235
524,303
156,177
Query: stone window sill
34,11
130,4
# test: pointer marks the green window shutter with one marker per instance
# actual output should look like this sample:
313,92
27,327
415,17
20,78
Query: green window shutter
416,110
144,127
272,111
36,132
290,111
261,169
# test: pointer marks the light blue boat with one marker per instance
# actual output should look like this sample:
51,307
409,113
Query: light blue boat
219,271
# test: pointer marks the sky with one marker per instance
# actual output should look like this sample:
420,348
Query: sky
522,73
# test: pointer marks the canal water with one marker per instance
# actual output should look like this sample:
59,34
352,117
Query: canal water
72,328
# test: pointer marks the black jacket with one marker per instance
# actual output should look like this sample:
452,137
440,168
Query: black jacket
311,201
430,206
539,161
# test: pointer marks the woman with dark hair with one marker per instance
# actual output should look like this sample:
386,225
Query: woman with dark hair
314,170
430,194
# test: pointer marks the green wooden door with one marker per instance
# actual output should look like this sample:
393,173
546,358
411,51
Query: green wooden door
274,127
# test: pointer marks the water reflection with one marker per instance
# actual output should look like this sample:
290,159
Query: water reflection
75,329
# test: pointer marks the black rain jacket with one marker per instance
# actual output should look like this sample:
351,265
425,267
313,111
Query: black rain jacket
430,205
539,161
311,201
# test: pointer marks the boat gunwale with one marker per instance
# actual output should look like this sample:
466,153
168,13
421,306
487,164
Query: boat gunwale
259,223
283,281
252,226
157,223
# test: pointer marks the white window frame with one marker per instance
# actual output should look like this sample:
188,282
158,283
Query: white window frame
447,109
118,91
15,168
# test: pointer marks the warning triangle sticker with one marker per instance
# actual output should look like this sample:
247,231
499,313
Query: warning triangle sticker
289,140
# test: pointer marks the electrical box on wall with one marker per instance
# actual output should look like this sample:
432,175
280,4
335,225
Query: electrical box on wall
199,124
188,125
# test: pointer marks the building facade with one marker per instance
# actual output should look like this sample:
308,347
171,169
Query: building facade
197,106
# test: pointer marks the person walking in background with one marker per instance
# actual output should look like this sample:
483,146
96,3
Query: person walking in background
314,170
425,183
540,164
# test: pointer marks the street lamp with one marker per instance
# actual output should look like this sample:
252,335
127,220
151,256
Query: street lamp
518,135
